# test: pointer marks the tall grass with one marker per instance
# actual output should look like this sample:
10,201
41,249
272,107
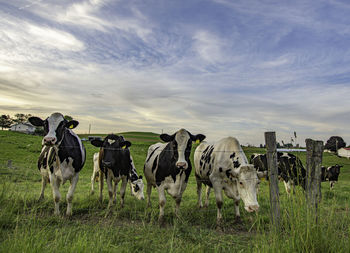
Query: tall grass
27,225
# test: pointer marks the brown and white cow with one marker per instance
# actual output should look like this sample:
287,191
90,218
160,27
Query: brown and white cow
115,162
62,156
168,167
224,167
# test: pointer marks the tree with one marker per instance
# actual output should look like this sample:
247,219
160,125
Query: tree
5,121
334,143
21,118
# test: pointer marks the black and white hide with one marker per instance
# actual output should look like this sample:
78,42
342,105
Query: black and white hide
61,158
290,169
168,166
115,162
331,174
224,167
136,182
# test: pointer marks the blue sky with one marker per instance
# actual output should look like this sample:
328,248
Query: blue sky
220,67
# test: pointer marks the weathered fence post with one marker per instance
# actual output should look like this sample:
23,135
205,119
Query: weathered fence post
314,152
271,155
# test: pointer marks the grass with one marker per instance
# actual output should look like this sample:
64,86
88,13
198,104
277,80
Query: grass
27,225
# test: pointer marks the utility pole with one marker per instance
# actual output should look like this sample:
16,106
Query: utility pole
89,128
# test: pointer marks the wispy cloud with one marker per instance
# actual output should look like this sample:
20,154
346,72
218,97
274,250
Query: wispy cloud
216,67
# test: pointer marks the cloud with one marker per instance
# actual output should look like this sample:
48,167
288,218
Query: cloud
216,67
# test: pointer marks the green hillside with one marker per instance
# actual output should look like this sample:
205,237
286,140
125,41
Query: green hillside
27,225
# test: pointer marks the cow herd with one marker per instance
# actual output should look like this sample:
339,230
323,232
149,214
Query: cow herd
222,166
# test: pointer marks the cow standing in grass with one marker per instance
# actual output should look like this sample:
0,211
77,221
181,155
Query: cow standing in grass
136,183
224,167
290,169
330,174
168,167
115,162
62,156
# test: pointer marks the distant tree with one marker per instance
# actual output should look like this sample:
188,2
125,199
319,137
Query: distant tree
21,118
261,146
334,143
68,118
278,145
5,121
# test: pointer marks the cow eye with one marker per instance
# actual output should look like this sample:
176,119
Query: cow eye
241,183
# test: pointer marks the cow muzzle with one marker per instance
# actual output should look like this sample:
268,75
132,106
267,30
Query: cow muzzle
49,141
182,165
252,208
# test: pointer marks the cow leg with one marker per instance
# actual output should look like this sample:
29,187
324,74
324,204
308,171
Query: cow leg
207,193
115,186
149,191
332,184
73,184
55,184
177,206
110,188
101,185
288,187
93,177
43,186
238,215
162,202
122,191
218,197
199,193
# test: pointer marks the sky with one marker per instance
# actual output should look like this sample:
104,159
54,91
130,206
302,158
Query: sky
216,67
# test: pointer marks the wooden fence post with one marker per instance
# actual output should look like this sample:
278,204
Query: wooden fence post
271,155
314,152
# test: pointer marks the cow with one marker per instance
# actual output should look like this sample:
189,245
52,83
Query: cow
136,183
330,174
224,167
115,162
168,167
290,169
62,156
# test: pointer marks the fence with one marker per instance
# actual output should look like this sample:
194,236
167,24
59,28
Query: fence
314,151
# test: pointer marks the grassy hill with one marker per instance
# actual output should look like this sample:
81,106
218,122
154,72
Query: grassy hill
27,225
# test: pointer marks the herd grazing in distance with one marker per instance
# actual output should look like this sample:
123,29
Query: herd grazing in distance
222,166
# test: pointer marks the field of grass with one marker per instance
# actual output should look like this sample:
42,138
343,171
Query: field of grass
27,225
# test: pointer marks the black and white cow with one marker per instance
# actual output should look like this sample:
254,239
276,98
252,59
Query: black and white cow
168,166
60,141
136,183
331,174
115,161
224,167
290,169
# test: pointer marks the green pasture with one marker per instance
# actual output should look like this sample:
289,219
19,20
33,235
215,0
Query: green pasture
27,225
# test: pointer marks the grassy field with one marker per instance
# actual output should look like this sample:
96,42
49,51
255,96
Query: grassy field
29,226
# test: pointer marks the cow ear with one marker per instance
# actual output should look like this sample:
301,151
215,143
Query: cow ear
35,121
167,137
262,174
198,138
72,124
97,143
125,144
140,177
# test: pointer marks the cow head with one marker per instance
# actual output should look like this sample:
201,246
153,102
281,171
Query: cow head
181,142
54,127
248,184
110,149
137,188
